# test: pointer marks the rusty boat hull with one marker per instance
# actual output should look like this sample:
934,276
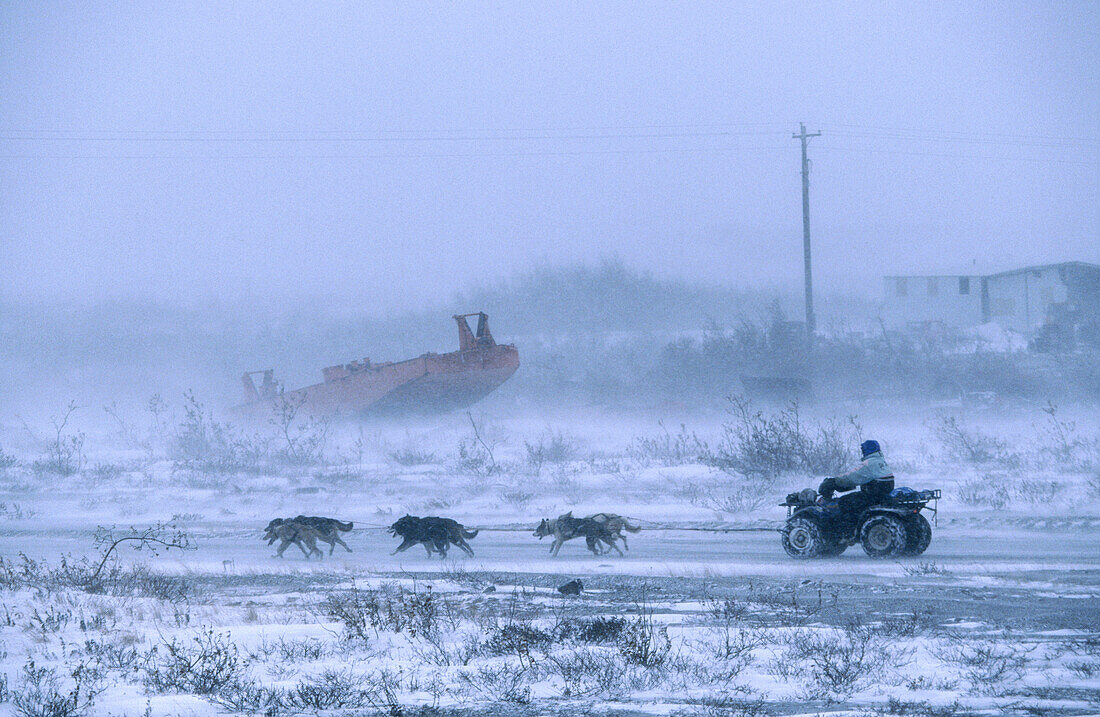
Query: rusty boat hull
430,383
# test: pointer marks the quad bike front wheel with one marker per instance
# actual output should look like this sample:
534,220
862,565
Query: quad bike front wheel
918,535
804,538
884,536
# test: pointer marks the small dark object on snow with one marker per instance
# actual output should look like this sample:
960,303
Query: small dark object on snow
490,589
573,587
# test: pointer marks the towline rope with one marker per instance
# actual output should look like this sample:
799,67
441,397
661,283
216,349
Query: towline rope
652,526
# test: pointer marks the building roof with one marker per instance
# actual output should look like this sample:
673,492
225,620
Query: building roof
1010,272
1040,267
929,275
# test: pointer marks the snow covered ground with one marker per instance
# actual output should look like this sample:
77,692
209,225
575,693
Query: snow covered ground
705,615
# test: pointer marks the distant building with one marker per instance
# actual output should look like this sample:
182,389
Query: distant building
947,300
1023,300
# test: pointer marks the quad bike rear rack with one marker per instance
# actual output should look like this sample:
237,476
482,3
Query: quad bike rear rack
922,502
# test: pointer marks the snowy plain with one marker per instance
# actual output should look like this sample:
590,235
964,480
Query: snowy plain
704,615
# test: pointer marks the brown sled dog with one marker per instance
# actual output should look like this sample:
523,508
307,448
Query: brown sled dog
327,530
291,533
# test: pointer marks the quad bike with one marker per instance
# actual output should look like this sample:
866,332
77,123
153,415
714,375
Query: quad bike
818,528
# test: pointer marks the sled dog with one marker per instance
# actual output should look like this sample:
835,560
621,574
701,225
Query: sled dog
292,533
600,528
327,530
614,525
433,533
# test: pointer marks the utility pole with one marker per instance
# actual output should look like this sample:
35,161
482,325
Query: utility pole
810,321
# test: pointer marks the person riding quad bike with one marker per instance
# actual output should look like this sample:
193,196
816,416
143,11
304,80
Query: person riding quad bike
873,478
887,522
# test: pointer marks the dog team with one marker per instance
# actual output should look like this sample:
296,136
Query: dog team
600,531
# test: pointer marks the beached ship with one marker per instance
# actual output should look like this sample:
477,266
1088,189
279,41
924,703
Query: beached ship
425,384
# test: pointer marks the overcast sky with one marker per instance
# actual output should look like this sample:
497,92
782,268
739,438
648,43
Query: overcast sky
388,153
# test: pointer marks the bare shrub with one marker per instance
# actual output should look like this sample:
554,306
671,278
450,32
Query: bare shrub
837,662
48,620
551,447
412,456
7,460
670,449
1063,445
207,447
113,655
735,641
911,624
105,472
1085,669
332,689
766,446
1084,646
643,642
64,452
414,612
503,682
973,446
518,638
352,610
42,692
248,697
383,698
997,491
1037,492
988,491
208,664
81,574
1093,482
924,568
599,630
744,498
307,650
475,454
153,539
303,438
588,672
14,511
517,498
985,663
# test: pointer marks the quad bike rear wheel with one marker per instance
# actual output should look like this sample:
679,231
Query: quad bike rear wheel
918,535
884,536
804,538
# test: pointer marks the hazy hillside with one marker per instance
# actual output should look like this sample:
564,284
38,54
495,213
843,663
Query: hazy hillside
126,351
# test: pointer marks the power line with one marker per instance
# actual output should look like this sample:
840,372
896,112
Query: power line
329,137
1067,144
946,155
488,130
956,133
423,155
544,133
550,153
